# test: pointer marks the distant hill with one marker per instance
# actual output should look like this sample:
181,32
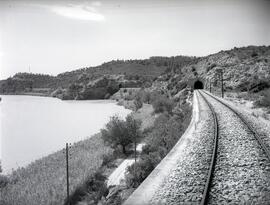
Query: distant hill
245,69
130,72
26,82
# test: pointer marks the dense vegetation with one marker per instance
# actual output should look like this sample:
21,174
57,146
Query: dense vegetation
91,190
172,119
167,130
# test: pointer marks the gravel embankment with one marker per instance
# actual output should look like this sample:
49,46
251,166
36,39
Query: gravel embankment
242,171
260,125
185,182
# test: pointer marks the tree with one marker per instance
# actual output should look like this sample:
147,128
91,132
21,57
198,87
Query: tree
120,132
133,128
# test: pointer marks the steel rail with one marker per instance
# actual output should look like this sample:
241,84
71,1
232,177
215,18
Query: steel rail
258,138
206,191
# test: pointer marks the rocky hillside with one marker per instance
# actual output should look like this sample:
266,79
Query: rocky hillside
244,69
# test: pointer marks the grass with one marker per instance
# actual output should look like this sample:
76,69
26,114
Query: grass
44,181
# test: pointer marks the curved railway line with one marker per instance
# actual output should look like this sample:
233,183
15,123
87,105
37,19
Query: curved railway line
214,159
214,155
221,160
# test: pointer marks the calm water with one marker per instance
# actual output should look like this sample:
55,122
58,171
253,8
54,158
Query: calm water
32,127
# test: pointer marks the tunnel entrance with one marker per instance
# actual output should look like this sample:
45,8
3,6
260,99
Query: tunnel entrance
198,85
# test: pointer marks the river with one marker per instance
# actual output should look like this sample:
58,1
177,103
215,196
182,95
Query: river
33,127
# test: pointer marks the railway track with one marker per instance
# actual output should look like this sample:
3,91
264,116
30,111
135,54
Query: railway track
185,182
214,155
220,162
256,135
235,142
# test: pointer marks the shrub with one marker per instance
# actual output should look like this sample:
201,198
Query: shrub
181,85
254,54
91,190
265,99
129,95
113,87
137,172
254,84
146,97
162,104
165,134
210,67
3,181
107,160
138,102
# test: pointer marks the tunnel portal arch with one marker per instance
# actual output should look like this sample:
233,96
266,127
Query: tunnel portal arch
198,85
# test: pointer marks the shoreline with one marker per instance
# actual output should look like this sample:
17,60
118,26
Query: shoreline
86,158
80,140
28,94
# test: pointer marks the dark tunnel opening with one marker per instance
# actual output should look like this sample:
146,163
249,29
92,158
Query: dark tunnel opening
198,85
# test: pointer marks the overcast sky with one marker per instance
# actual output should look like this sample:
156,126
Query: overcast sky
56,36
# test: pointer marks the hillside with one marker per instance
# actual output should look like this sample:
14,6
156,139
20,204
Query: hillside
245,69
79,84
